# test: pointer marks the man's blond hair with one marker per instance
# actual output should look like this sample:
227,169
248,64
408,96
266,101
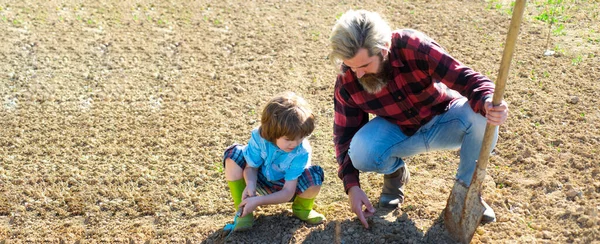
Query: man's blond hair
359,29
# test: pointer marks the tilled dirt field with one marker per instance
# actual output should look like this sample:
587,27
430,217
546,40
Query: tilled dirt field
115,115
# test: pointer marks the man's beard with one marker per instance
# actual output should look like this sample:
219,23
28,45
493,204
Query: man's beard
374,83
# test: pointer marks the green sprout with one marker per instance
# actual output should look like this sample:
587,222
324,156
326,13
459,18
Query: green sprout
219,167
577,60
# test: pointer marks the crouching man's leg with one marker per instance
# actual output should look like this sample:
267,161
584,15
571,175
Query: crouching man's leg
379,146
460,127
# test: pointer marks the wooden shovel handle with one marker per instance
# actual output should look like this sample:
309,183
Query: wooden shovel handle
509,48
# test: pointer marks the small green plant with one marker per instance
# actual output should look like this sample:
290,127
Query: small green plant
315,35
553,14
219,167
559,30
529,225
593,40
577,60
546,74
499,6
557,48
492,4
532,75
510,10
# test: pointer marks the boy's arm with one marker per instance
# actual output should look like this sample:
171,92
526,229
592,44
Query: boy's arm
286,194
250,176
288,191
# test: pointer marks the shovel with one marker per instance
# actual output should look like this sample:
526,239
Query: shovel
229,228
464,208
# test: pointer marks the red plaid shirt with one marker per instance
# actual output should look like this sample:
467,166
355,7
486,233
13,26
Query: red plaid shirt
411,100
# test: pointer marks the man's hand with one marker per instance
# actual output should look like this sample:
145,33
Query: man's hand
358,199
496,115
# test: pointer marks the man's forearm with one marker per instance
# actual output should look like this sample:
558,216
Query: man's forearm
346,172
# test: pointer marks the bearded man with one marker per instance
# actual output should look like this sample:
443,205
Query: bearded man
423,100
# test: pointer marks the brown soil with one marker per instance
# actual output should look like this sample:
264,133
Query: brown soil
114,118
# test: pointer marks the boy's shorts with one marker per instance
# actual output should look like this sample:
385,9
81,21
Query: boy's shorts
312,176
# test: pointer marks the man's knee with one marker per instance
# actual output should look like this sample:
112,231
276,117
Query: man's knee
361,162
477,121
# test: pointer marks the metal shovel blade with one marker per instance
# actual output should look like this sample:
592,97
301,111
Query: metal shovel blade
463,213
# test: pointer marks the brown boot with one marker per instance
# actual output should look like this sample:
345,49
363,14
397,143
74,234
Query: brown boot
392,195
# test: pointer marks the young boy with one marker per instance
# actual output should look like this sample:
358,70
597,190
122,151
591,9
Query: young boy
276,163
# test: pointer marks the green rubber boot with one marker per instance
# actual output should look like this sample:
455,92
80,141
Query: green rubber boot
302,208
237,188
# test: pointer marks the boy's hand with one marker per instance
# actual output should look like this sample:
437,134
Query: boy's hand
248,205
249,191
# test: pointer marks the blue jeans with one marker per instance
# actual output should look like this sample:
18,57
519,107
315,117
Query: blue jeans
380,145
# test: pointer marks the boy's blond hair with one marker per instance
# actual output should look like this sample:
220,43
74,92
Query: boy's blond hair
288,115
